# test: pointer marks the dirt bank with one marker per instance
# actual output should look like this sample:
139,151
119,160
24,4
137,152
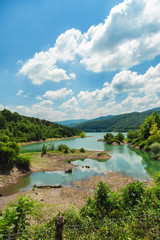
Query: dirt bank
65,197
47,140
53,161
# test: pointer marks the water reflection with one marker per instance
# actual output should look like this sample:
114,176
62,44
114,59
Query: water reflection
124,160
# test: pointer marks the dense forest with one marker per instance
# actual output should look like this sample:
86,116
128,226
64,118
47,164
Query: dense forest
25,129
147,137
119,123
15,128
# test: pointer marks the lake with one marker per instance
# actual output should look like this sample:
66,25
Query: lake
124,160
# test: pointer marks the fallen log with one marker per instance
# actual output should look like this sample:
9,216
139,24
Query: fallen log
48,186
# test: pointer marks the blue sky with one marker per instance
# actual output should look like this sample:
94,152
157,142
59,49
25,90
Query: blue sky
67,59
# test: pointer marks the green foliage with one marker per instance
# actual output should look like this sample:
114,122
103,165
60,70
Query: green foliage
148,136
62,147
82,135
133,213
109,138
131,135
15,219
155,148
23,162
120,123
120,137
66,150
132,193
9,157
51,146
82,150
44,148
25,129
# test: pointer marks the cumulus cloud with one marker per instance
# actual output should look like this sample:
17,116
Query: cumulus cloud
128,36
130,81
99,95
43,66
71,103
59,94
46,102
39,111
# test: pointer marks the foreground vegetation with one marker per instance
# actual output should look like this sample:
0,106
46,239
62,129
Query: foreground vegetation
132,213
148,135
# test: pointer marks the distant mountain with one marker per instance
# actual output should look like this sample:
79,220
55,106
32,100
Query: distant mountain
75,123
102,118
72,123
119,123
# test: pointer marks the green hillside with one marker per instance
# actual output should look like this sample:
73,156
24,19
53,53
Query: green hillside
123,122
25,129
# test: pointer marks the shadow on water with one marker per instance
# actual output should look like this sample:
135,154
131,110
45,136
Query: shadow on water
151,166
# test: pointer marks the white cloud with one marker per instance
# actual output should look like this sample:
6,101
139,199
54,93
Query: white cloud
41,112
128,36
38,98
46,102
59,94
96,96
43,66
19,92
149,82
71,103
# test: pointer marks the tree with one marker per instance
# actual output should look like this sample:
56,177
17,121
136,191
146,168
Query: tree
120,137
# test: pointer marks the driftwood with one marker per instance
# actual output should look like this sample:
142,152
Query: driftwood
48,186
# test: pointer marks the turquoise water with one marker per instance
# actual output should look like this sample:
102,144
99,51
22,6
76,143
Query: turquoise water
124,160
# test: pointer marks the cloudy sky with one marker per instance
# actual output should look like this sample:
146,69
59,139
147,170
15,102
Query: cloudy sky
67,59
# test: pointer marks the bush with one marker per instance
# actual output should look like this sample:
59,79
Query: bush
62,147
23,162
82,150
15,219
120,137
132,193
44,149
82,134
66,150
155,148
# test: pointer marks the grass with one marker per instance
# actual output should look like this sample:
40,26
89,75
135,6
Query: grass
57,160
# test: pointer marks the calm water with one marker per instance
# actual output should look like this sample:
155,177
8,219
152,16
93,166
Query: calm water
124,160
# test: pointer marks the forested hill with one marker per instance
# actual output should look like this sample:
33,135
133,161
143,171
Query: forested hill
120,123
19,128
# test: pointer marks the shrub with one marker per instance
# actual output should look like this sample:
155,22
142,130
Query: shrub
51,146
66,150
82,150
23,162
132,193
155,148
44,149
15,219
82,134
120,137
62,147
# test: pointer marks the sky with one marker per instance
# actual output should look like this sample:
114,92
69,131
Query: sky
67,59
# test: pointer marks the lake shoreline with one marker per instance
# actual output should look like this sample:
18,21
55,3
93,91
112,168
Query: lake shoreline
77,196
50,162
47,140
